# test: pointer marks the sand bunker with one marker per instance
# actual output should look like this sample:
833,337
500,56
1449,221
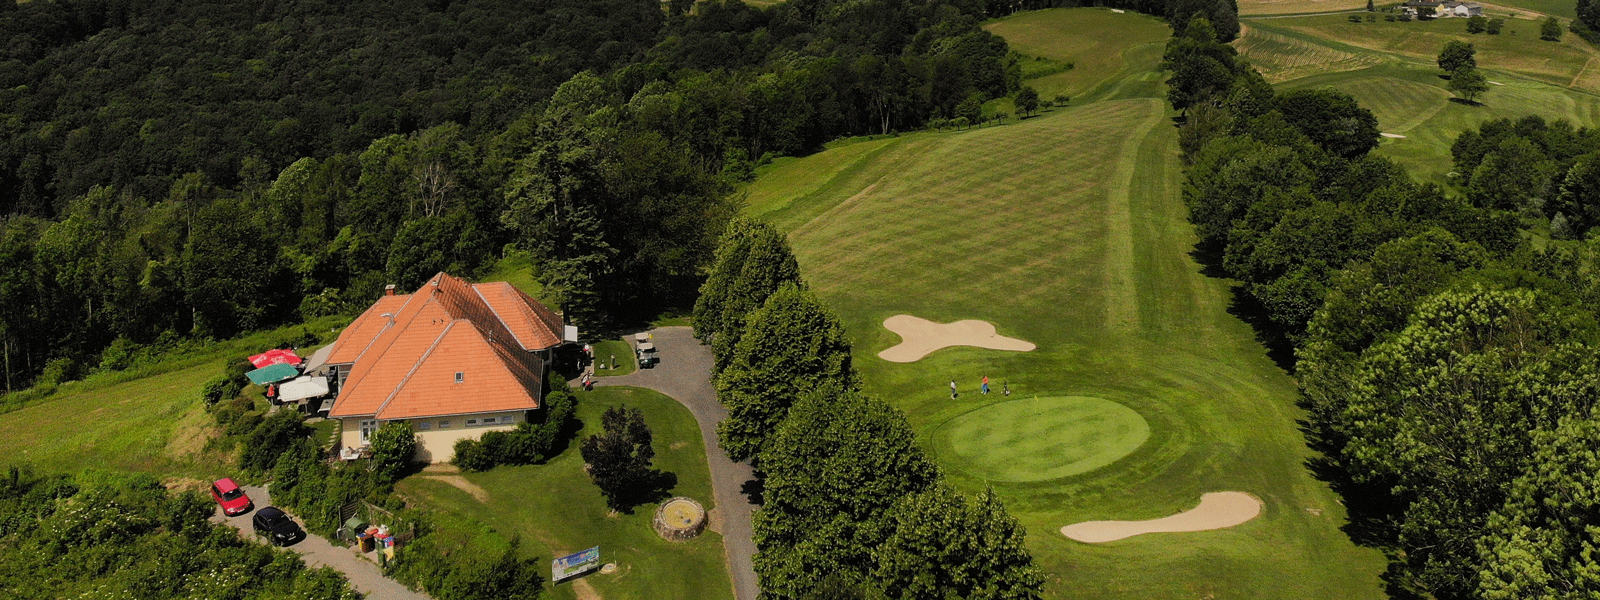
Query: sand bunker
1217,510
920,337
1393,135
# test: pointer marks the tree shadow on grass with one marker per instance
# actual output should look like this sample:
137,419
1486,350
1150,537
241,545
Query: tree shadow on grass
1466,102
656,486
1243,306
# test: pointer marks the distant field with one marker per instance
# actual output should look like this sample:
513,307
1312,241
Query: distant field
1518,48
1566,9
557,509
1069,231
1096,41
1286,7
1390,69
1410,100
1280,57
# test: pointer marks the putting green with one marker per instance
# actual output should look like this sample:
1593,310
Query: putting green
1041,438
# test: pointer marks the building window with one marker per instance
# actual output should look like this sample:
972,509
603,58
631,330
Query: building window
445,424
472,422
424,425
460,376
367,429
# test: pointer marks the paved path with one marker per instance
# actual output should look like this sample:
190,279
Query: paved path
316,551
685,374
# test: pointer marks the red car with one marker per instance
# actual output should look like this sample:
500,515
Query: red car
230,497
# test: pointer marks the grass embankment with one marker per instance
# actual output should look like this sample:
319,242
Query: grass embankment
557,510
149,418
1069,231
1404,90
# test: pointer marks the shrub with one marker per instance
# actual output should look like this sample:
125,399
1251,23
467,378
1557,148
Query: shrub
394,446
273,437
530,443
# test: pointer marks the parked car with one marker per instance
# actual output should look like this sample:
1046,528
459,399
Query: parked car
230,497
276,526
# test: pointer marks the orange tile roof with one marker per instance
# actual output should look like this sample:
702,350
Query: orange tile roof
408,367
361,331
535,326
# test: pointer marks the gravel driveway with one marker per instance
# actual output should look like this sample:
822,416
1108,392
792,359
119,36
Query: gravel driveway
317,551
684,373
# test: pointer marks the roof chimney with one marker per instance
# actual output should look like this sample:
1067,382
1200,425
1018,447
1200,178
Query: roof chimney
388,290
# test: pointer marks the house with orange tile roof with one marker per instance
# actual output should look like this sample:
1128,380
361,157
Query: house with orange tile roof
454,359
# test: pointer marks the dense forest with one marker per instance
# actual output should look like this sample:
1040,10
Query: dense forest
1445,339
171,170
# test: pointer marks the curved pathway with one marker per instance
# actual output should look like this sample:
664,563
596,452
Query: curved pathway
684,373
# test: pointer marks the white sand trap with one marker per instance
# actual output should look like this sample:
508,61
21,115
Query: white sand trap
920,337
1217,510
1495,83
1393,135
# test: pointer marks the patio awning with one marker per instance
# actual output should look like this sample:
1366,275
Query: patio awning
272,374
302,388
318,358
274,357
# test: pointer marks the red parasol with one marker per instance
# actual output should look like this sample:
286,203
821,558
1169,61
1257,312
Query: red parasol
274,357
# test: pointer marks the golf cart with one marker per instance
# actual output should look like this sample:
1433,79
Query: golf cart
646,350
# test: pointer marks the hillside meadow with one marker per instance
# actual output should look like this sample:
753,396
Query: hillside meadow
1068,230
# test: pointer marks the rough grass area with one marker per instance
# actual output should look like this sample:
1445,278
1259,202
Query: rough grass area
1096,41
516,268
1069,231
557,510
1035,439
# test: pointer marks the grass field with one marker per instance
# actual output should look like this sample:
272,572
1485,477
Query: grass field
1405,91
556,509
1097,41
625,362
1068,230
1035,439
1288,7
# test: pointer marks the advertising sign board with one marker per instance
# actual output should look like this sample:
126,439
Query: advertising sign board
574,564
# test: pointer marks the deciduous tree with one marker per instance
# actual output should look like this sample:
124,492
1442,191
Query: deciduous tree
619,459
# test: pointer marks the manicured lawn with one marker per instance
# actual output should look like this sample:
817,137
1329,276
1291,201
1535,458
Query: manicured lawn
1035,439
557,509
1096,41
1069,231
625,362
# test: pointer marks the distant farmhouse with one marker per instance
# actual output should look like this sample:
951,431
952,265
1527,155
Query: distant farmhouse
454,359
1444,8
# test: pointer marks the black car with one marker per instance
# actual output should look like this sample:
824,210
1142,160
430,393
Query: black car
277,526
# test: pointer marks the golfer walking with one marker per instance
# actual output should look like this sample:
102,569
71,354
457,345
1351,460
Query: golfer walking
952,389
985,384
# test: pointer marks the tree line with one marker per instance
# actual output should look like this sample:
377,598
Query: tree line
851,506
175,170
1445,338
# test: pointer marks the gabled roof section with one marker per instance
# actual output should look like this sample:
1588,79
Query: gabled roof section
489,382
445,327
362,331
535,326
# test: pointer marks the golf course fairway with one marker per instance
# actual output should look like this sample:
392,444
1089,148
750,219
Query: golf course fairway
1068,230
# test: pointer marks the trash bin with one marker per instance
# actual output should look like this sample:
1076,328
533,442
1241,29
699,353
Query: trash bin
365,541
